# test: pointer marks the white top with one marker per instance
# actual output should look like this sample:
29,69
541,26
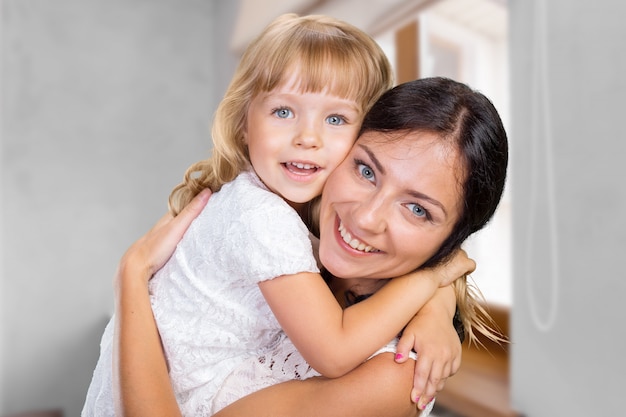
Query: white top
283,363
209,310
221,339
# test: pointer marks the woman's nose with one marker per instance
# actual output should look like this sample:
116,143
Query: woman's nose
371,214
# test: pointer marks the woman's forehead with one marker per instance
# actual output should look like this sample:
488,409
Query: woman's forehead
401,141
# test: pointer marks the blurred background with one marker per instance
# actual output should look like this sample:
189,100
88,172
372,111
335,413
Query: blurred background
104,104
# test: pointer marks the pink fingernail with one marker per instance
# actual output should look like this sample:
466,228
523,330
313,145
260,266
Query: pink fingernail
417,399
399,356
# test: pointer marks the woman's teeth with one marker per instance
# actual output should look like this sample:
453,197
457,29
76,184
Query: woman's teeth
354,243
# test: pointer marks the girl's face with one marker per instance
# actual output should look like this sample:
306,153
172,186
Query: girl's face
389,206
297,139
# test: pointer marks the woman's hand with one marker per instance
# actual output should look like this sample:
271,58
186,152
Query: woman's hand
141,383
432,335
148,254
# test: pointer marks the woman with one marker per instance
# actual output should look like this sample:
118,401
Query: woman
429,167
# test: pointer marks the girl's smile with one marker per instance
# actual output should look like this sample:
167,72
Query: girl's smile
296,138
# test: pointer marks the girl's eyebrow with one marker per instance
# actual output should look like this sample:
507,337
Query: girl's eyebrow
413,193
375,160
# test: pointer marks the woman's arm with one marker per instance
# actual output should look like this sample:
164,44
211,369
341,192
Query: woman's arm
334,341
141,381
378,387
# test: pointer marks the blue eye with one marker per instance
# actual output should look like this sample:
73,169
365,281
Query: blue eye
417,210
335,120
366,172
283,113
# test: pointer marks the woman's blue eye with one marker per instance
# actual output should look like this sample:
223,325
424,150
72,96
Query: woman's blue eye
366,172
417,210
283,113
335,120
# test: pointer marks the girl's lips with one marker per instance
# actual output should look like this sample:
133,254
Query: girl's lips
301,171
353,242
301,168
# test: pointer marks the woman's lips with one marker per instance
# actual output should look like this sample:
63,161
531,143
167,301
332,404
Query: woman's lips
353,242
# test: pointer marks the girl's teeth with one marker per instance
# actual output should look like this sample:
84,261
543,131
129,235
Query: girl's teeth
301,166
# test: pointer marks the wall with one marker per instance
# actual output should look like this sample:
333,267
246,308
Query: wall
568,85
104,104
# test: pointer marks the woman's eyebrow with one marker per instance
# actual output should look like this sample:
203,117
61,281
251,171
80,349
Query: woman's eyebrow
431,200
413,193
375,160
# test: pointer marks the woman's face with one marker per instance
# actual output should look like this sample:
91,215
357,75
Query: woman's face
390,205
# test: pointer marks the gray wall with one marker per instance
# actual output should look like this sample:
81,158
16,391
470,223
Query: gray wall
104,105
569,203
106,102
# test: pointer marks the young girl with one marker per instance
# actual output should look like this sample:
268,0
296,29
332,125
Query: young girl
245,268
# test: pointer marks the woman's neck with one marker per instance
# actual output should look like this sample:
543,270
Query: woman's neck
354,287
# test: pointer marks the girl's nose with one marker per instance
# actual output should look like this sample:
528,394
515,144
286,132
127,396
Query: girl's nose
309,137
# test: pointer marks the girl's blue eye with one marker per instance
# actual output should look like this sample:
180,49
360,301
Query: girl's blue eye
335,120
283,113
366,172
417,210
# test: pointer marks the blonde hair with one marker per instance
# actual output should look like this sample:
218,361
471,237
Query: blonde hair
474,316
329,55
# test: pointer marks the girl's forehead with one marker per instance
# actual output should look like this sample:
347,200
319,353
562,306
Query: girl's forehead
306,84
329,82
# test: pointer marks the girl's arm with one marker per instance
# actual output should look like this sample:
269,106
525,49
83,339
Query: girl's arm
334,341
431,333
378,387
141,381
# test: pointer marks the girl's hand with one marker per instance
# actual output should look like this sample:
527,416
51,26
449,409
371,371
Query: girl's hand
459,265
148,254
432,335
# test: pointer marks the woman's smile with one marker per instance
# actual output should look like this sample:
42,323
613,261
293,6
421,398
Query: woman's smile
389,206
352,241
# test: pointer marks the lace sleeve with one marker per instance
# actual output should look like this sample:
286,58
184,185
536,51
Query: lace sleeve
265,237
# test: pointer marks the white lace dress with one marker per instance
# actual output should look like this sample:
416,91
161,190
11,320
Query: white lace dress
209,310
283,363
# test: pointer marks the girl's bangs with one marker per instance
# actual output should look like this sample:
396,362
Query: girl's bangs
319,70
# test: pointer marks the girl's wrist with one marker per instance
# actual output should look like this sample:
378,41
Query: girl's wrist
429,275
420,278
443,302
